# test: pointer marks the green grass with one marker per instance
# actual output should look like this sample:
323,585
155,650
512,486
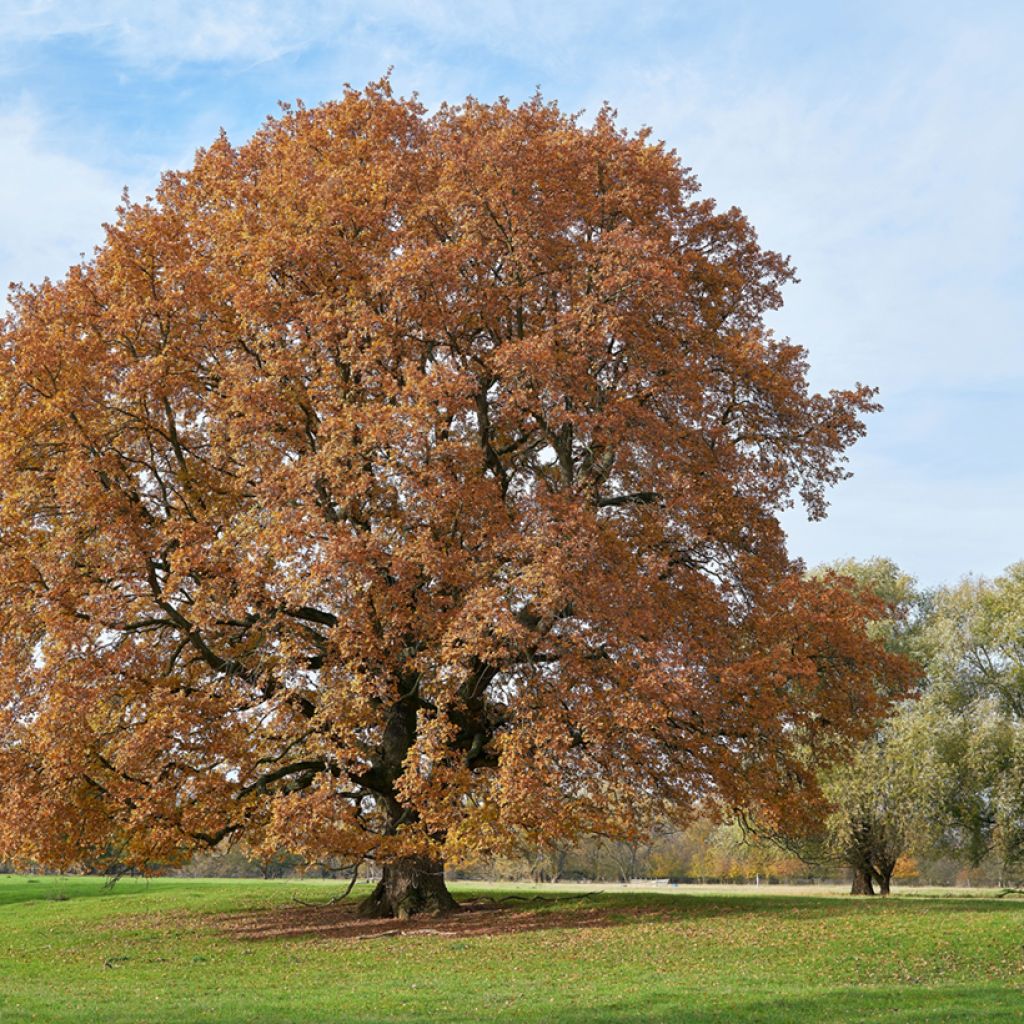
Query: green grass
152,952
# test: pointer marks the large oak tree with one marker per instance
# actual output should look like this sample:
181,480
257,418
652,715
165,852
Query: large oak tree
403,484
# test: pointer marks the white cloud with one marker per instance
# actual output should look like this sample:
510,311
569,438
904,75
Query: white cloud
158,34
935,531
899,199
51,204
176,31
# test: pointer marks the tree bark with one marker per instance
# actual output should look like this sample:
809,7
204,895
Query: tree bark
410,885
883,880
862,882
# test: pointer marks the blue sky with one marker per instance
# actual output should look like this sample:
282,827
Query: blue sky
881,145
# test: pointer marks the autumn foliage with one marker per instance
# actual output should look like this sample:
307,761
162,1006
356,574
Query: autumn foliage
406,484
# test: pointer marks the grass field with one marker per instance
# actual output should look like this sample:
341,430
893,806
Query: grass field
239,951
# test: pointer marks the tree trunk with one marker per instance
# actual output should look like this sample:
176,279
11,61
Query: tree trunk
862,882
410,885
883,883
414,884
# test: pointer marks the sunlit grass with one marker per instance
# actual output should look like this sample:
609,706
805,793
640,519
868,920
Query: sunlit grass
154,952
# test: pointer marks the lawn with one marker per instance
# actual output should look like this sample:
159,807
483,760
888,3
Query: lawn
172,950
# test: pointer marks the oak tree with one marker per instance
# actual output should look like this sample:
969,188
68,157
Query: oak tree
405,484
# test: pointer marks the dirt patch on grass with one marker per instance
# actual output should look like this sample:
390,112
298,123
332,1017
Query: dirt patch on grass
342,921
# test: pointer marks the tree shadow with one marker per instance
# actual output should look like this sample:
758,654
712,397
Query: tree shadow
488,915
474,918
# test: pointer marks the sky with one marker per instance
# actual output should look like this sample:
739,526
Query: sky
879,144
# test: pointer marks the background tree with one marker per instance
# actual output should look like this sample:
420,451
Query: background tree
880,795
882,802
943,776
871,803
971,719
405,485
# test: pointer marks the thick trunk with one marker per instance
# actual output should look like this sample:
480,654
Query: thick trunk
410,885
883,883
862,882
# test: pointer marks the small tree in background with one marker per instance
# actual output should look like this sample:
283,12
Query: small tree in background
972,719
864,808
942,777
882,802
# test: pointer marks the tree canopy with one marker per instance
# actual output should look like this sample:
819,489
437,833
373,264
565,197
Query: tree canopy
971,719
397,484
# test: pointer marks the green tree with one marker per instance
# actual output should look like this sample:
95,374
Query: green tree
945,775
880,794
881,801
874,799
971,717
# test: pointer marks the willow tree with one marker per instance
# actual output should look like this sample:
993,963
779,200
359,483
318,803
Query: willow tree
402,485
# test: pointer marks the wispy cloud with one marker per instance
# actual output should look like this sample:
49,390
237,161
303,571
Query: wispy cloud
51,204
896,187
172,32
260,30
